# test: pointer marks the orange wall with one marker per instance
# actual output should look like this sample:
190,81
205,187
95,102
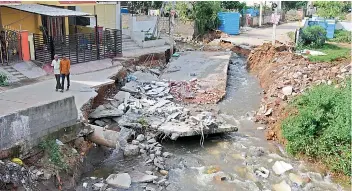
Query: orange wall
20,20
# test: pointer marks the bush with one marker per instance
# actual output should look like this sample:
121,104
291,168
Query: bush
320,127
342,36
3,79
313,36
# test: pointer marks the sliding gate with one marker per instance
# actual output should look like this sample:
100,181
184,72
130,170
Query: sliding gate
80,47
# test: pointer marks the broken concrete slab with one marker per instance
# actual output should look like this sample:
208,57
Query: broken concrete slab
157,105
139,177
184,130
119,180
131,87
155,71
143,77
122,96
100,112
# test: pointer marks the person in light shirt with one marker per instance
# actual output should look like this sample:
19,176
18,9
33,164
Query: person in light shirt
56,65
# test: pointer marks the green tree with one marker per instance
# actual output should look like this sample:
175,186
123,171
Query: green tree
205,14
233,5
330,9
288,5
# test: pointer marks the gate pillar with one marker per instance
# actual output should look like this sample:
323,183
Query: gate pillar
25,45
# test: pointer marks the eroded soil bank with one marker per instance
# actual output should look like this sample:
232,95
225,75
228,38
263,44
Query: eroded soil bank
243,160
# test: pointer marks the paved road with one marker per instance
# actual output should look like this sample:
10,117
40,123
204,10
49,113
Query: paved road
44,92
258,36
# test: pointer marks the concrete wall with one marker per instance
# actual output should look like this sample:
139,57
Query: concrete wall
20,20
106,14
28,126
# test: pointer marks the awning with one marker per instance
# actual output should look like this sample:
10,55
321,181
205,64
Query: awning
47,10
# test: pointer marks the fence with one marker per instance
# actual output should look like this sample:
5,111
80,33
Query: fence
79,47
10,46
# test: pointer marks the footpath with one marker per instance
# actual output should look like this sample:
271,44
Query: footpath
84,78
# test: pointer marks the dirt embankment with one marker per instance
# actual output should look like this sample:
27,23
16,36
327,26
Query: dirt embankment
283,75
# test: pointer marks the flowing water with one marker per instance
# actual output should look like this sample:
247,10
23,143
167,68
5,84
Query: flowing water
235,156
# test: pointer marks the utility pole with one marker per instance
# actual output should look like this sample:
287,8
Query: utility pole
260,13
275,20
172,13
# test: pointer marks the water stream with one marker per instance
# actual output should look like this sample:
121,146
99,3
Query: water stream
235,155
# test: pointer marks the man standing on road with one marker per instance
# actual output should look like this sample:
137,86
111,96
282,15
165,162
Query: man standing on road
65,66
56,65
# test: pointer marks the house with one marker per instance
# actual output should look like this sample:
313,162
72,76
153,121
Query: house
56,27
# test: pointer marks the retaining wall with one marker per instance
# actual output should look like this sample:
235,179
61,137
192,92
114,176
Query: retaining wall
28,126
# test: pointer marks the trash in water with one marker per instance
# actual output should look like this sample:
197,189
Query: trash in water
176,55
131,78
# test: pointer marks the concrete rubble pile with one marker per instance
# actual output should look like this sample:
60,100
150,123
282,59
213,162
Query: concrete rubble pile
144,104
15,175
290,75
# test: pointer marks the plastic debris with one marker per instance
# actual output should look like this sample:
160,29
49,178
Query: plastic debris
131,78
17,161
58,142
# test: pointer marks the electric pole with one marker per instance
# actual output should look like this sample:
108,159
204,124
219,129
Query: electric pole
275,20
260,13
172,13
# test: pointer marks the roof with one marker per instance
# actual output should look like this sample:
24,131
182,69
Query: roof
47,10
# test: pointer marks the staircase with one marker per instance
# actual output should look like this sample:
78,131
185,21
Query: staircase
128,43
16,75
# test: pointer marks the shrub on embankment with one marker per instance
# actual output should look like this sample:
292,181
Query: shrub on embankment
319,126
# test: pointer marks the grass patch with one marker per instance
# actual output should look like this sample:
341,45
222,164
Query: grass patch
319,126
341,36
291,35
332,52
54,152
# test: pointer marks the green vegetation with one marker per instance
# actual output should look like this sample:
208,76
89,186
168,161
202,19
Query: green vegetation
205,14
288,5
313,37
342,36
319,126
54,152
332,52
143,122
330,9
4,80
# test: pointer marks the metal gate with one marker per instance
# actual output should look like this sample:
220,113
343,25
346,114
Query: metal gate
10,46
80,47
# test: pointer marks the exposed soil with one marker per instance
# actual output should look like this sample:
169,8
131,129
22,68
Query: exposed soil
277,67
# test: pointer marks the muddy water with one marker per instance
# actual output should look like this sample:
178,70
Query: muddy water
234,156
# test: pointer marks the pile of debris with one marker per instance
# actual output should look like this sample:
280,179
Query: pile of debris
144,103
144,108
13,175
284,75
192,92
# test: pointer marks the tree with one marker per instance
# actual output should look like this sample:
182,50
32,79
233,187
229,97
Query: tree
288,5
205,14
233,5
330,9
